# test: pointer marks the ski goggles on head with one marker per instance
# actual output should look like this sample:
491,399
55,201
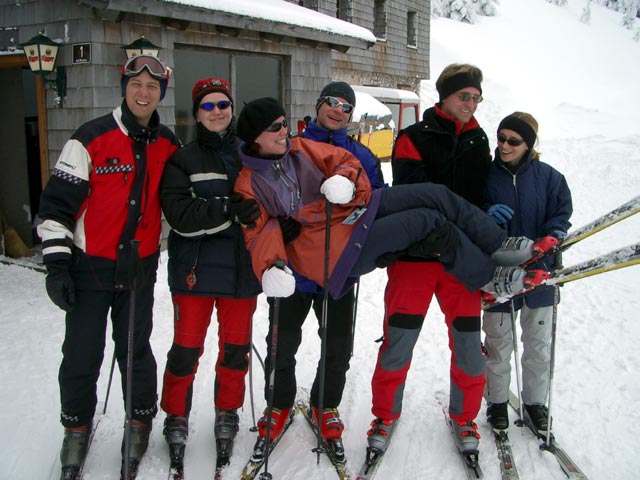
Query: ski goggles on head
333,102
209,106
276,126
155,68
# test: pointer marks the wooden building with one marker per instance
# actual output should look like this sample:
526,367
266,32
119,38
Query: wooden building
261,52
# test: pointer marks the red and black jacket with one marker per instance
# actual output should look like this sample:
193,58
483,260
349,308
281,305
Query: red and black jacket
104,192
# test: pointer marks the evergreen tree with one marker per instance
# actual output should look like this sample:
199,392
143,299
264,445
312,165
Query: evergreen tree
586,13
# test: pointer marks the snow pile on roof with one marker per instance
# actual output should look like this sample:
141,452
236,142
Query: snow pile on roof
283,12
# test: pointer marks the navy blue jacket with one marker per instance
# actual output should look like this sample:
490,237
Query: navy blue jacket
541,201
204,244
339,138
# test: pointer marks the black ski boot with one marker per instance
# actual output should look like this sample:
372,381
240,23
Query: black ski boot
176,432
225,429
74,451
139,442
538,416
498,416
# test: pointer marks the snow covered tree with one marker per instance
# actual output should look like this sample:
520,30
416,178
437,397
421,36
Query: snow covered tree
463,10
629,12
586,13
560,3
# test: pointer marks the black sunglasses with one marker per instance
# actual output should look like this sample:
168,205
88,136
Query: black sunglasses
276,126
514,142
209,106
466,96
333,102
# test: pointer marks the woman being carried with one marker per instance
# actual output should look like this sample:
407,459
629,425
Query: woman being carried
297,177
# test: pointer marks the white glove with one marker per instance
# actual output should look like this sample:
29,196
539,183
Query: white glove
278,282
338,189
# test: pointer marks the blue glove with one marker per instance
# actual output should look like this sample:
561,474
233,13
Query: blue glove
559,234
500,213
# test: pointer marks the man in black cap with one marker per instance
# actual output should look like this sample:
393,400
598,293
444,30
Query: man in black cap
103,193
448,147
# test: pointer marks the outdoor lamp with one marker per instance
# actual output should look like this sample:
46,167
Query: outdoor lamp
141,46
41,53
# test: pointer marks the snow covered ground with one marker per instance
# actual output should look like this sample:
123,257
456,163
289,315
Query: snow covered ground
580,81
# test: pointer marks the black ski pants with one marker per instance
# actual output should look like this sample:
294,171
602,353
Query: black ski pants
83,352
293,312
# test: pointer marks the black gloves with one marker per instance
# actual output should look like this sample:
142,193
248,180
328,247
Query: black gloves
242,211
290,228
441,242
60,287
386,259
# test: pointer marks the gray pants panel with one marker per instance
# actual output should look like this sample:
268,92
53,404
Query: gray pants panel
536,354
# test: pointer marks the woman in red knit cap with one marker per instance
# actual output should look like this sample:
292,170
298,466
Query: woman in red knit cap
208,267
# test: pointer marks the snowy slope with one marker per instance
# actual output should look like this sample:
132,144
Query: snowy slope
580,82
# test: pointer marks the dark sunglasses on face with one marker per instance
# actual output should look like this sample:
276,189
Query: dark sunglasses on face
465,97
209,106
333,102
155,67
276,126
514,142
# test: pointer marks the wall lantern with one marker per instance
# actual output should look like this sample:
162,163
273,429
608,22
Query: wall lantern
41,53
141,46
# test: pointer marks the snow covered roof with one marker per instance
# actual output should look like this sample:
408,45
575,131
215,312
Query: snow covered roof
277,17
367,104
388,93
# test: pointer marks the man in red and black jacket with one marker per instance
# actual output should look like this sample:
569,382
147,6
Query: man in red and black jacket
104,193
448,147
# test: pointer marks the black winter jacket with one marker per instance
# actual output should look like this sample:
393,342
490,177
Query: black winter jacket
434,151
207,253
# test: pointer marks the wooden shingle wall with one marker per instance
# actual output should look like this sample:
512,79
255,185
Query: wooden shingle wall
94,89
390,62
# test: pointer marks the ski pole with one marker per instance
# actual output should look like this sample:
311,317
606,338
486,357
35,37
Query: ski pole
265,475
554,324
254,428
323,328
257,354
514,338
106,398
133,275
355,316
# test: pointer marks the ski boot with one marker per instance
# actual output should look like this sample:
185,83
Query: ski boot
513,251
176,432
226,427
379,435
537,415
331,428
75,444
280,418
498,416
138,444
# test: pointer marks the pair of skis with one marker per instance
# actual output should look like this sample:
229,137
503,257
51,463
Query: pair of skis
614,260
332,450
568,466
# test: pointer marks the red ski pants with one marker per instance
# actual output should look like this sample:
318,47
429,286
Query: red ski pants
192,315
409,290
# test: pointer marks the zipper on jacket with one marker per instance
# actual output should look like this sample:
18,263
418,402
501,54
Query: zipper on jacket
289,183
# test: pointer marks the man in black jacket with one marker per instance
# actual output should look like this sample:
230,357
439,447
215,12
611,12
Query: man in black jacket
448,147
